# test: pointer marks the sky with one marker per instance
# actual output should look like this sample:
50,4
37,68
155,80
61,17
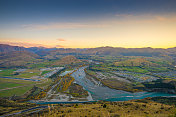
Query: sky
88,23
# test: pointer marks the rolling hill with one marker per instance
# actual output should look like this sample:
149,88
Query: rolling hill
66,60
15,59
8,48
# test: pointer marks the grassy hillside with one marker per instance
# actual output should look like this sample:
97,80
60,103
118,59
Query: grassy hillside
66,60
16,59
135,108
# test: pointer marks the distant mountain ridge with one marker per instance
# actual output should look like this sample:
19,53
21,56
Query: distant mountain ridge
114,51
39,49
8,48
15,56
17,59
93,51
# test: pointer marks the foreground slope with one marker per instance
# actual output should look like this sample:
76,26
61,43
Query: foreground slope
135,108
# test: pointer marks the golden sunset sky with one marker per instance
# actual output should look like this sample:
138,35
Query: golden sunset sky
88,23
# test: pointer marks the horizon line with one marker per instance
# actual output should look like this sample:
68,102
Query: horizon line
90,47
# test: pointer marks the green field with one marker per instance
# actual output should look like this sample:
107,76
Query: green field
44,72
41,64
44,84
16,91
8,85
7,72
28,75
3,80
133,69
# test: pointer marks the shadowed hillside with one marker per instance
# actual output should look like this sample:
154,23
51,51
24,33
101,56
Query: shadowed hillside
8,48
17,58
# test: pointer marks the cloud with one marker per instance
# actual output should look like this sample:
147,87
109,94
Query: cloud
165,18
59,46
62,26
160,18
60,39
24,44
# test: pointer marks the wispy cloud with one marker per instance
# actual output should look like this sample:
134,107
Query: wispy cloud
61,39
159,17
24,44
103,24
145,18
165,18
59,46
62,26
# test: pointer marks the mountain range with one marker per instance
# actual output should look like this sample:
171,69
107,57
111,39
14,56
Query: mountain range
114,51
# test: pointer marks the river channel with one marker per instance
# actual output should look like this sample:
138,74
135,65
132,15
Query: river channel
100,92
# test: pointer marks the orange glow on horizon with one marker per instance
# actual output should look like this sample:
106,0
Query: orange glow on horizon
154,31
